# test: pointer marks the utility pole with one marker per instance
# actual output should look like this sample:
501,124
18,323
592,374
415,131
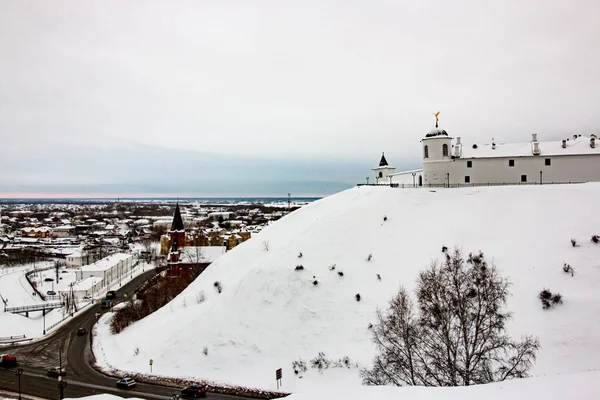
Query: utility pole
61,388
19,373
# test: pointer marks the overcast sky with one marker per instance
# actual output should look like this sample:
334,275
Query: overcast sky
266,97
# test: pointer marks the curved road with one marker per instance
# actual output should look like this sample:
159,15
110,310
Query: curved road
82,380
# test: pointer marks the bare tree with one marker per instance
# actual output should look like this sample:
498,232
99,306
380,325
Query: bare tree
457,335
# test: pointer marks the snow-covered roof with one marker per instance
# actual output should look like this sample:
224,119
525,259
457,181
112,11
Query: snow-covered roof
86,284
581,145
407,172
435,132
106,262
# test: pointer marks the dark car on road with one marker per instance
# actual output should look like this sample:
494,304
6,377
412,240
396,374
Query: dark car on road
106,304
8,360
111,294
56,372
51,293
193,392
126,383
81,331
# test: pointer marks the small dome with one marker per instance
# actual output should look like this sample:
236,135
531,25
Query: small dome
436,132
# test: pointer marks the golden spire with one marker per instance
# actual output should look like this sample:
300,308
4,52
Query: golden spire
436,114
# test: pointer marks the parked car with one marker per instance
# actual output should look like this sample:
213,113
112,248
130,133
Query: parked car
56,372
48,280
106,304
51,293
194,391
111,294
126,383
8,360
81,331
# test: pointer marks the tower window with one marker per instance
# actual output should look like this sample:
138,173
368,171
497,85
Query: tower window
511,163
548,161
426,152
467,179
380,174
445,150
523,178
469,164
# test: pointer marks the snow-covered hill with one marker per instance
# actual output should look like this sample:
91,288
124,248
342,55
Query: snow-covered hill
269,314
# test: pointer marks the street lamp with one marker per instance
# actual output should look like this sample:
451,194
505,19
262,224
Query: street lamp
19,373
414,182
44,317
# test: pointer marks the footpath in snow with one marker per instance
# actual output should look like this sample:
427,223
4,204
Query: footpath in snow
269,314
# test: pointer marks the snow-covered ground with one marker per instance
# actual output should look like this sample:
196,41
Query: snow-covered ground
269,315
15,288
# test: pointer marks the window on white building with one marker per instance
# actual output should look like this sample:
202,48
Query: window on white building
467,179
469,164
380,174
511,163
523,178
445,150
426,152
548,161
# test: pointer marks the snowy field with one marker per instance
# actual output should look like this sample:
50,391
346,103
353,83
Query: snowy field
15,288
269,315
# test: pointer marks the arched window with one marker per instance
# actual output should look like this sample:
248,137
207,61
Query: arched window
380,174
426,152
445,150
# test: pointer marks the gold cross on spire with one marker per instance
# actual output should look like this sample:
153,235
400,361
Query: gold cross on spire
436,114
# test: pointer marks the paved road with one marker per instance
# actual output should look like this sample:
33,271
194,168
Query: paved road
82,380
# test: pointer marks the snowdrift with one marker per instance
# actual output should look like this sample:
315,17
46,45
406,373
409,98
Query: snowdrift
269,314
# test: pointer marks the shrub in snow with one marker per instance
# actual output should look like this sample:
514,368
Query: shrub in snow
218,286
573,242
136,352
568,269
341,273
378,277
370,326
200,297
370,256
357,296
315,282
384,218
549,299
595,239
299,366
205,351
300,255
474,146
299,267
320,362
184,303
432,344
265,245
332,267
444,249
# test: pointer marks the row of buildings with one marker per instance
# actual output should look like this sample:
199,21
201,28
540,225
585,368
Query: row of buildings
450,162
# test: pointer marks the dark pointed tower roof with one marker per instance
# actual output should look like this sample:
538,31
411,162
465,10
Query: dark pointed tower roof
177,224
383,162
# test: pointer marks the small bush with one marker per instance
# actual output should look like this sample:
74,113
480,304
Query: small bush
315,282
573,242
474,146
444,249
265,245
370,326
200,297
332,267
378,277
357,296
370,256
136,352
299,366
299,268
218,286
548,299
320,362
300,255
341,273
568,269
205,351
595,239
384,218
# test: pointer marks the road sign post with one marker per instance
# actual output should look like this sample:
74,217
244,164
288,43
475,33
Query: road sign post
278,377
151,362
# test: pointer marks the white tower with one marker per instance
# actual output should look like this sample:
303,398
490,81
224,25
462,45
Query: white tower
383,172
437,154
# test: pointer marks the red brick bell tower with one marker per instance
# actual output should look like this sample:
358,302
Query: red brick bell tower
176,242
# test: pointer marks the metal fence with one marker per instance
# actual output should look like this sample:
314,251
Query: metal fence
459,185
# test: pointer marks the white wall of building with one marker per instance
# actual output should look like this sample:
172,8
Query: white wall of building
111,269
381,175
408,178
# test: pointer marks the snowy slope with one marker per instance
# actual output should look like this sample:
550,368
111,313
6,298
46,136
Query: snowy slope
269,315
